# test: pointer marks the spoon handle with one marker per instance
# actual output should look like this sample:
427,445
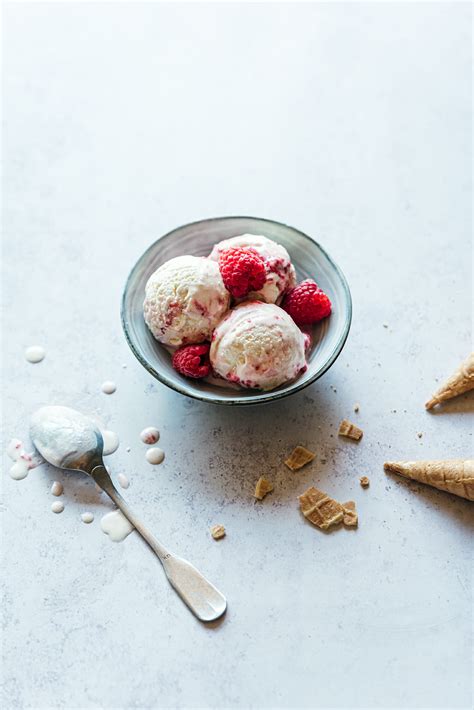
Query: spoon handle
204,600
102,478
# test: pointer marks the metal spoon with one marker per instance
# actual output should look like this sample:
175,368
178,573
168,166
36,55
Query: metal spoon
68,439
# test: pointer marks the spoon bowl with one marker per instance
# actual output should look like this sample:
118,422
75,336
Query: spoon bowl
66,438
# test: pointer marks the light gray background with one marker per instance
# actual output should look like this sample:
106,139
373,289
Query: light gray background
351,122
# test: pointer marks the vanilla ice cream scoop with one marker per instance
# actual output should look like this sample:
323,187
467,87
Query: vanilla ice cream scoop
258,345
280,271
185,300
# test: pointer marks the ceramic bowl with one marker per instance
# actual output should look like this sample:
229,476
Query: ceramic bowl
310,261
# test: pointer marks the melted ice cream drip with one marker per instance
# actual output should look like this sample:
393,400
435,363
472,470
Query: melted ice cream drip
150,435
57,506
123,480
57,488
87,517
111,442
24,461
35,353
116,526
108,387
155,456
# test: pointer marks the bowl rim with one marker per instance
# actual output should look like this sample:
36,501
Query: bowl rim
264,397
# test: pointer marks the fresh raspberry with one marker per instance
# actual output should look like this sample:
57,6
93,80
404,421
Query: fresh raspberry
242,270
306,303
193,360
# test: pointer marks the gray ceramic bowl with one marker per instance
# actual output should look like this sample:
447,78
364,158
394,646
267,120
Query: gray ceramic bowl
198,238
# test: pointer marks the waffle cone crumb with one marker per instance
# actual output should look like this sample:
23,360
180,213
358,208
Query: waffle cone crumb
346,428
350,518
298,458
262,488
364,481
320,509
218,531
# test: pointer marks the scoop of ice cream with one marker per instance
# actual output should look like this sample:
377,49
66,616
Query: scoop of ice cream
280,271
258,345
185,300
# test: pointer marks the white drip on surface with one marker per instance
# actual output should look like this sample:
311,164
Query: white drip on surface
87,517
111,442
150,435
24,461
57,506
116,526
108,387
35,353
57,488
123,480
155,456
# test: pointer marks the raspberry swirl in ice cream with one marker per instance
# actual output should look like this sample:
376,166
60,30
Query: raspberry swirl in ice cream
185,300
280,272
258,345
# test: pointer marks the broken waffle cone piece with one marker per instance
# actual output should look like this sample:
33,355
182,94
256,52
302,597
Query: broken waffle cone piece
346,428
298,458
460,381
218,531
262,488
350,518
454,475
320,509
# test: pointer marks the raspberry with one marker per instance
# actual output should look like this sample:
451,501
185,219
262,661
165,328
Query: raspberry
242,270
306,303
193,360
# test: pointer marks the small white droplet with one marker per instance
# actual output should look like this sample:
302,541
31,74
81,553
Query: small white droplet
150,435
128,449
108,387
111,442
35,353
124,366
123,480
155,456
19,470
57,488
87,517
57,506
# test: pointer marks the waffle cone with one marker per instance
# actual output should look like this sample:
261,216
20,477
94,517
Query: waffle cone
454,476
460,381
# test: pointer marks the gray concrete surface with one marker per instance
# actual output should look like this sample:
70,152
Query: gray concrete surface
353,123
